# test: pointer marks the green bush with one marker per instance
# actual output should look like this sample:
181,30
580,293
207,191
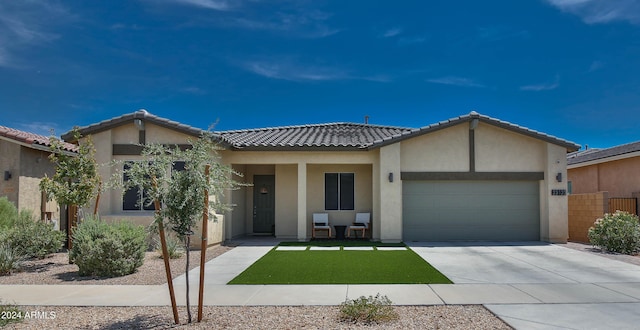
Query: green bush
10,258
29,237
618,232
101,249
11,313
8,213
175,247
368,310
34,239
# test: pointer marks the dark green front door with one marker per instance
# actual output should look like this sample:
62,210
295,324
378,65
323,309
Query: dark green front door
264,202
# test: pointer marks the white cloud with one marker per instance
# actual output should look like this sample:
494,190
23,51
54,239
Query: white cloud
301,23
601,11
220,5
456,81
543,86
24,27
291,70
392,32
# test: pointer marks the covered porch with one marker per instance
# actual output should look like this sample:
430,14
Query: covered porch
288,187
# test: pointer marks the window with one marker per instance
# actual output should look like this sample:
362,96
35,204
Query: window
339,191
133,200
569,188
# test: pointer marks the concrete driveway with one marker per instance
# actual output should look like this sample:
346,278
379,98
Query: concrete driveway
567,289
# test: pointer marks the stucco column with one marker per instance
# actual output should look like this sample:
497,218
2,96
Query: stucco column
302,201
554,215
390,194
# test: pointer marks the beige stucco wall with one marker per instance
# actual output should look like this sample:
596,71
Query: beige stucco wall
10,161
389,215
501,150
286,197
315,192
27,166
443,150
111,200
554,211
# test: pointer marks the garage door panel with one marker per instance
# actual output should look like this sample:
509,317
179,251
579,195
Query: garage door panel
471,210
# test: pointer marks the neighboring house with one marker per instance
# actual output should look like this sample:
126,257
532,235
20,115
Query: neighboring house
24,161
615,170
601,181
467,178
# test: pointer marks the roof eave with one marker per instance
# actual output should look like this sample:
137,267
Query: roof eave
570,146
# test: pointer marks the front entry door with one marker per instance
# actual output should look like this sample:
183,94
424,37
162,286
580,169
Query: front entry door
264,202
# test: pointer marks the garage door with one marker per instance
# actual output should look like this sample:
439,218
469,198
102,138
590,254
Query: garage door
471,210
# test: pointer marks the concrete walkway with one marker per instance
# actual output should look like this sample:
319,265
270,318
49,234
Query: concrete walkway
529,285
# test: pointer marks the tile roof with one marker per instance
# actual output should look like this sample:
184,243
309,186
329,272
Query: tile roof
330,136
343,136
36,141
603,153
130,117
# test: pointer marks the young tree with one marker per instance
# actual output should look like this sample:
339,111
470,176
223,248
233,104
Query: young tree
76,177
179,193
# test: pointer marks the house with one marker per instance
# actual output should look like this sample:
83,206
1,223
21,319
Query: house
24,161
471,177
614,170
601,181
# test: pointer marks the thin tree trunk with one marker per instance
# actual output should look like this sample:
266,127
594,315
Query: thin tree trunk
187,277
165,257
203,244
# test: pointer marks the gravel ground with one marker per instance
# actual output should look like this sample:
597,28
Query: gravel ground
632,259
57,270
308,317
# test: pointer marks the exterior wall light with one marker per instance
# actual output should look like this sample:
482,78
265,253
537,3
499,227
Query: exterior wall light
559,177
7,175
390,176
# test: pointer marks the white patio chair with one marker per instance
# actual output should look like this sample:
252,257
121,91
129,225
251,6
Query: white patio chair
361,223
321,222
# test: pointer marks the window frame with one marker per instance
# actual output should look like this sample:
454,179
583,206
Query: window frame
339,193
140,197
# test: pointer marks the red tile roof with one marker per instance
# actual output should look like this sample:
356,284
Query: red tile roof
32,139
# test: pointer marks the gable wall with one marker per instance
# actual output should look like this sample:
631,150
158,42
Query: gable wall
501,150
446,150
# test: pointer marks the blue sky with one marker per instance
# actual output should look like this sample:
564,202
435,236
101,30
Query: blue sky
569,68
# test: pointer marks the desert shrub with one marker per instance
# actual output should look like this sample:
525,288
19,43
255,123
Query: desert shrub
175,247
618,232
31,238
8,213
367,310
34,239
10,258
101,249
11,313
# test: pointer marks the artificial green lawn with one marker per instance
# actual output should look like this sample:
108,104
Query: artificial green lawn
340,267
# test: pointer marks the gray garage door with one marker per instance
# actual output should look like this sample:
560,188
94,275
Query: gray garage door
471,210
